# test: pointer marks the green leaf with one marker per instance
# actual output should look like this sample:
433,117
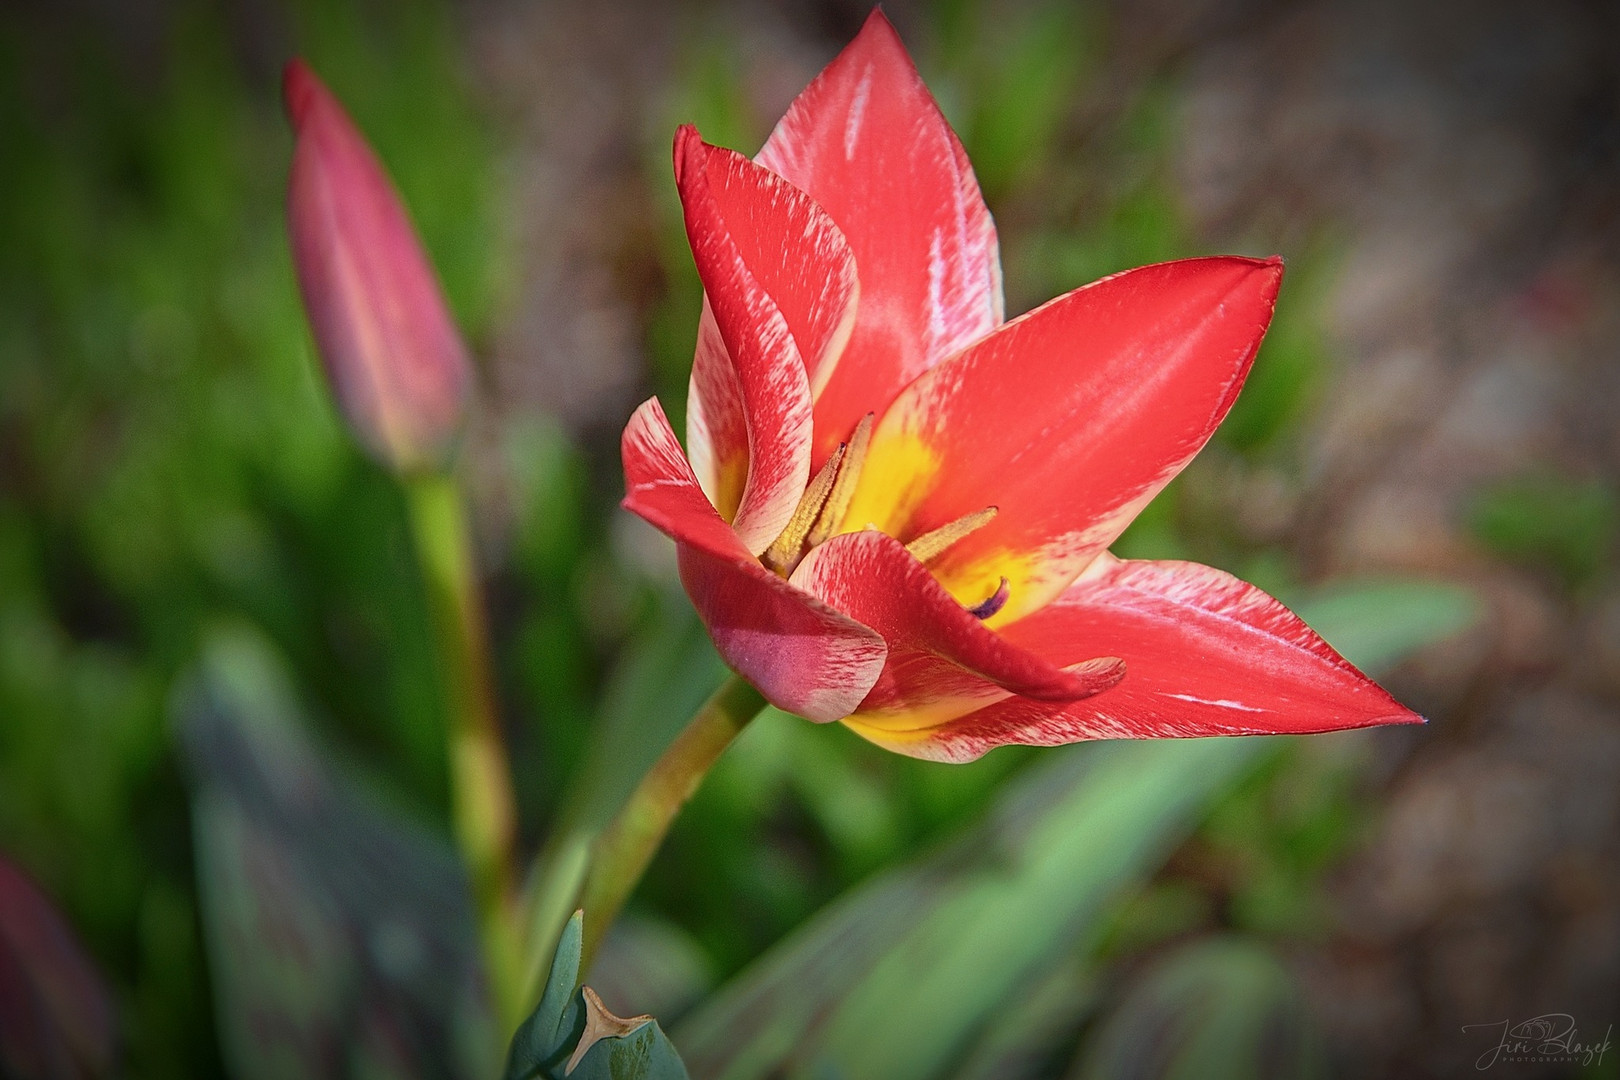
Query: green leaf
545,1039
644,1054
895,979
322,908
904,974
1377,623
665,674
547,1044
667,671
1221,1009
1037,1027
1559,522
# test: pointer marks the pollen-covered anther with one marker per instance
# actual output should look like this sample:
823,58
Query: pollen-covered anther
995,603
934,543
843,489
784,553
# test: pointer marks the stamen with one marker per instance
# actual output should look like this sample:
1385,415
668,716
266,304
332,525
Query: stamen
843,491
931,544
997,601
783,554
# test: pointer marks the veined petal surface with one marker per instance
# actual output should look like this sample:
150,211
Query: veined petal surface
1205,654
868,143
942,661
801,654
1068,420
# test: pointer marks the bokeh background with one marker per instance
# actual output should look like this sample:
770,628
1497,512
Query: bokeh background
1429,442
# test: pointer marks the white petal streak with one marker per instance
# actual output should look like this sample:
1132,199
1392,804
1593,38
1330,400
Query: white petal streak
857,112
1220,703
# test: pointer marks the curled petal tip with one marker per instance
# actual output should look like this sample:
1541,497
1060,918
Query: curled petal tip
687,142
1101,673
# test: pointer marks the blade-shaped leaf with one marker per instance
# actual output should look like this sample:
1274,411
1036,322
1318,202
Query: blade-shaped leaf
644,1054
546,1038
547,1044
664,675
340,935
1037,1028
1375,624
895,979
1221,1009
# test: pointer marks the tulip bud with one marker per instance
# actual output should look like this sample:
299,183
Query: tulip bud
393,355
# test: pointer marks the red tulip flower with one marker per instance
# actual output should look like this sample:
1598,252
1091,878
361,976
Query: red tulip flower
897,507
396,362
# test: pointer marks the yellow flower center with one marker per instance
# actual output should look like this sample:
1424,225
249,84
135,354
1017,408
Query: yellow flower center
825,503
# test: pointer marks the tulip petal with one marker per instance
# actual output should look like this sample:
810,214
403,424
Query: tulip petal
868,143
1068,420
396,362
1205,654
779,287
942,661
803,656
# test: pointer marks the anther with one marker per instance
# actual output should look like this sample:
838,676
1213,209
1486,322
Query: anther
843,489
997,601
933,543
783,554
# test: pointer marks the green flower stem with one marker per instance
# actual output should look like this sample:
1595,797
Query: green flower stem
482,807
628,844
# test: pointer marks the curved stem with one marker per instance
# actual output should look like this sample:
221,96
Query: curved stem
482,805
625,848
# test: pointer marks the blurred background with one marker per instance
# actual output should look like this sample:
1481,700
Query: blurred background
216,673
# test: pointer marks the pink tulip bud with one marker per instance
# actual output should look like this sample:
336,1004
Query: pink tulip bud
384,332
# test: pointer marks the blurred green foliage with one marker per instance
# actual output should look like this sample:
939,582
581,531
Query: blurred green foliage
168,454
1218,1009
167,450
1554,523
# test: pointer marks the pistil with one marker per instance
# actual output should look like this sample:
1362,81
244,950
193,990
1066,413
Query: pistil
997,601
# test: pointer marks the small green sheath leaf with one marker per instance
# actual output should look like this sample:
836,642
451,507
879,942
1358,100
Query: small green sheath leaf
571,1036
546,1038
620,1049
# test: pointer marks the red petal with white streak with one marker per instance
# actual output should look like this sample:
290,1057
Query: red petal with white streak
868,143
754,413
942,660
1068,420
1205,654
803,656
801,260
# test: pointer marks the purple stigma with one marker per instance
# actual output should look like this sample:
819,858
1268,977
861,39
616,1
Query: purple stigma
997,601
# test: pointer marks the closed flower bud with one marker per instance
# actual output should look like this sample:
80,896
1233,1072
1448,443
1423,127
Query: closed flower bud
395,360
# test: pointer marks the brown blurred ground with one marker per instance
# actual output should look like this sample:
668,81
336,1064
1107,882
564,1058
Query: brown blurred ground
1470,155
1467,158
